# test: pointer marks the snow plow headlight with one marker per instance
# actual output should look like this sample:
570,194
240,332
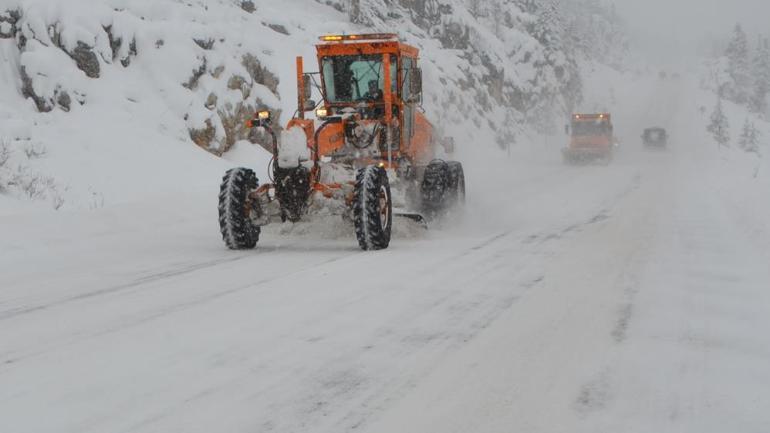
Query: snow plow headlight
262,120
321,113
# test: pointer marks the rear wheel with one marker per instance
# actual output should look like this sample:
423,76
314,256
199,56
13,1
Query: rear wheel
457,183
235,207
436,187
372,208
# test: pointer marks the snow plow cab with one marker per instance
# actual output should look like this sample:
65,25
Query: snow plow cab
591,138
364,151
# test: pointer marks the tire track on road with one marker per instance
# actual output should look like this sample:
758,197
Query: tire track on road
165,311
187,269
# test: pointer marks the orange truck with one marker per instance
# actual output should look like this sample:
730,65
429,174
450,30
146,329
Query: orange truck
365,151
591,138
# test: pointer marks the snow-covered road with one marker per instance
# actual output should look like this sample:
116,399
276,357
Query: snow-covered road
653,318
630,297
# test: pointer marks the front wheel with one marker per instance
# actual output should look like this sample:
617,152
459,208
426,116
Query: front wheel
372,208
235,208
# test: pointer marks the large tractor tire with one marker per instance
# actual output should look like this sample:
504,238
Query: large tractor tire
457,183
372,208
235,206
436,187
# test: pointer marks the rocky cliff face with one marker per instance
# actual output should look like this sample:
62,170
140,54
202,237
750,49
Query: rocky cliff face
208,73
500,65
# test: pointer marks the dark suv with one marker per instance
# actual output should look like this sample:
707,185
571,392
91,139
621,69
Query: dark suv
655,137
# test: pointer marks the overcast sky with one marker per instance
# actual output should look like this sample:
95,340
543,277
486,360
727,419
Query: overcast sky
680,25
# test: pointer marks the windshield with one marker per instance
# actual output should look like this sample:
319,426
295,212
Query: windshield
598,127
352,78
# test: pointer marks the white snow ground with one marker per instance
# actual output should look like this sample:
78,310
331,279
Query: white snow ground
631,297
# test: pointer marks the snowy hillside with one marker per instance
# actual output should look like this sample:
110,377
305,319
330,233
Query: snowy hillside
89,84
735,106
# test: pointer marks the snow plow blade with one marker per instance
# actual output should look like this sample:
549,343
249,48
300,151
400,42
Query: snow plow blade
419,219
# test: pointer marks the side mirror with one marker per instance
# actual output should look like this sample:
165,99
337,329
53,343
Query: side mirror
307,89
309,105
415,84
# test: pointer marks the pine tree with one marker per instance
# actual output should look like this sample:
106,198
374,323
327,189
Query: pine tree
594,29
719,126
498,17
749,139
738,67
761,75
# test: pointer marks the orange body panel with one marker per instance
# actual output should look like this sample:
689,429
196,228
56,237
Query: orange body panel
331,138
388,94
591,141
300,87
600,140
421,147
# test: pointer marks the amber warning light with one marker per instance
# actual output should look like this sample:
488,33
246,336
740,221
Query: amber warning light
601,116
363,37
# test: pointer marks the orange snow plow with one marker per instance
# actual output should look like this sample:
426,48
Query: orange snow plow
364,151
591,138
